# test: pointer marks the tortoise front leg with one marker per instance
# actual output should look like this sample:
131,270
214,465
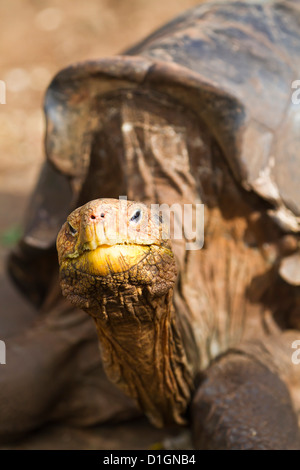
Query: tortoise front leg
242,404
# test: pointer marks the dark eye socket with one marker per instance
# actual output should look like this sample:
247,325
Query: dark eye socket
136,216
72,230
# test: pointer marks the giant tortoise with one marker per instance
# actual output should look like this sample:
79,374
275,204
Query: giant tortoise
203,111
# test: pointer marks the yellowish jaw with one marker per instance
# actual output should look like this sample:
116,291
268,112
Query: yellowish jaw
110,259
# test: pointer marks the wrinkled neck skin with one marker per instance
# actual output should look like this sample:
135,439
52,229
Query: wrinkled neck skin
142,352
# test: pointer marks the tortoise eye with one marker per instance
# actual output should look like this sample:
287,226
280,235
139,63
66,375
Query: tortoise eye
136,216
72,230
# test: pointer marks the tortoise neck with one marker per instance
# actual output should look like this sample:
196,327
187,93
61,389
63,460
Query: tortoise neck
143,353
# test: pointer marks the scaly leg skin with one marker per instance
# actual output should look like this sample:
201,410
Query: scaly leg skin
242,405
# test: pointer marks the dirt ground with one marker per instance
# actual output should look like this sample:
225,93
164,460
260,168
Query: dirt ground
38,38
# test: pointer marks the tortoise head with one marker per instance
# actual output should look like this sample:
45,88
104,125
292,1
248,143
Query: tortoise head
116,263
112,244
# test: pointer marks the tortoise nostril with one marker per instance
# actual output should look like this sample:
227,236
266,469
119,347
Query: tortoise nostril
93,217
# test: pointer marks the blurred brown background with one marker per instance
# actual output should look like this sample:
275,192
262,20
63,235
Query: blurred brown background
37,39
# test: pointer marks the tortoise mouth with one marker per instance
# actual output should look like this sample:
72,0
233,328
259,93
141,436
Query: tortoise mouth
106,260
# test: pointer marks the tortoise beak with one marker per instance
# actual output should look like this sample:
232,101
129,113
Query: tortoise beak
99,226
101,249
